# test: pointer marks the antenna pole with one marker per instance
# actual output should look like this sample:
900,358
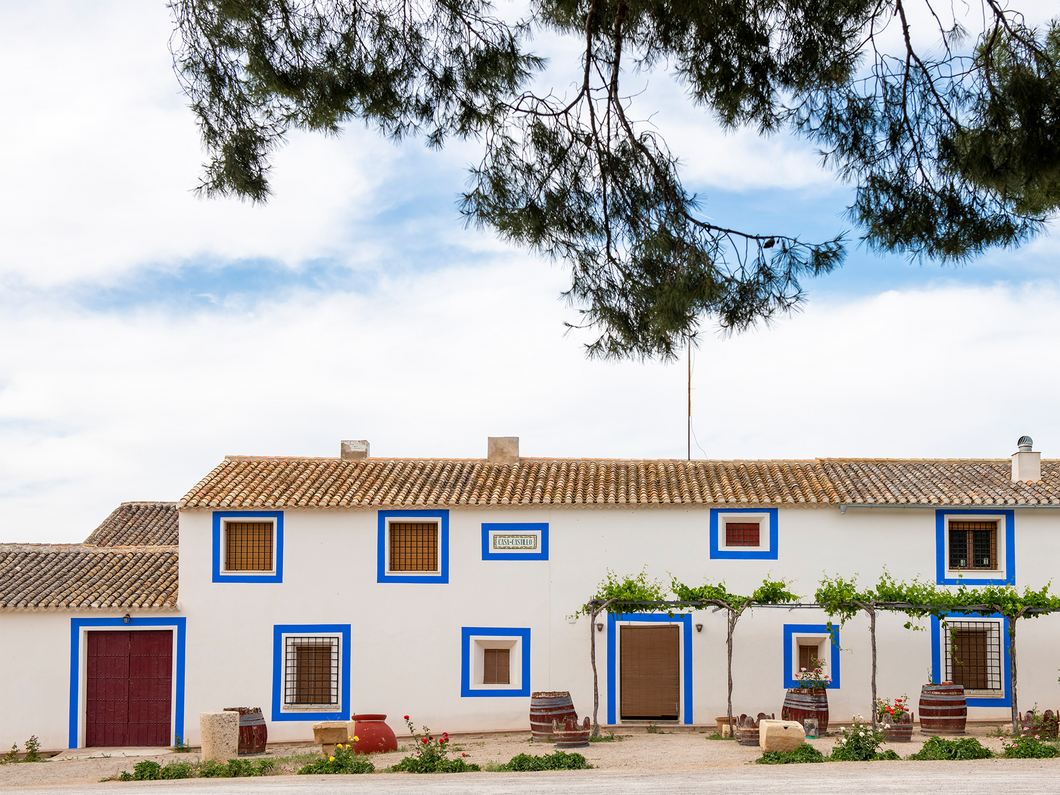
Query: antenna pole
689,429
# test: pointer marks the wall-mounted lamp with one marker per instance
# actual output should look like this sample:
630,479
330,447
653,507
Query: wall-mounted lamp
599,627
125,618
699,627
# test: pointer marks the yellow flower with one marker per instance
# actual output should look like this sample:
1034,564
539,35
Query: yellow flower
332,759
356,739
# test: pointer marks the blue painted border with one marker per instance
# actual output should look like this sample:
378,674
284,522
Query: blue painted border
76,624
465,661
612,633
278,631
220,576
442,576
942,559
790,630
717,553
541,528
1006,663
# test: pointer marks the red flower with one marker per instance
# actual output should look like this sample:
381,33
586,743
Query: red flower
424,740
406,717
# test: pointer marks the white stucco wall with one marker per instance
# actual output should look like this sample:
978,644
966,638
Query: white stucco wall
406,638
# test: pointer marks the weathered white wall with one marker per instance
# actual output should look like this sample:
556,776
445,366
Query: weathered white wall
406,637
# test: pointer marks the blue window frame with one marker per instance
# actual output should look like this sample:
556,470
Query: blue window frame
518,532
279,670
764,551
383,573
79,625
1004,697
473,641
1006,538
220,518
817,632
685,621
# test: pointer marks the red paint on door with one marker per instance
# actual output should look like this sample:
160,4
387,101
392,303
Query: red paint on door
128,688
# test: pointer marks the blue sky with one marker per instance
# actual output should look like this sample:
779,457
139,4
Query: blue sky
147,333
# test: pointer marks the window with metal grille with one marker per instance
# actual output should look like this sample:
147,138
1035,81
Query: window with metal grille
973,545
413,546
973,654
248,546
311,670
496,666
741,534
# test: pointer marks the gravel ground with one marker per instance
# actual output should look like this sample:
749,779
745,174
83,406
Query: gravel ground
636,751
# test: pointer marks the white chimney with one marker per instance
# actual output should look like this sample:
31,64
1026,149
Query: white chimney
1026,465
503,450
354,449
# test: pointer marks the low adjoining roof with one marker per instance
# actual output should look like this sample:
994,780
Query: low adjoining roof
129,562
240,482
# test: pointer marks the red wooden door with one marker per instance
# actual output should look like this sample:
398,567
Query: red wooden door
128,687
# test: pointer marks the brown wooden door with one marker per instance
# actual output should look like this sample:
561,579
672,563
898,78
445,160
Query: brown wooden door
650,674
128,688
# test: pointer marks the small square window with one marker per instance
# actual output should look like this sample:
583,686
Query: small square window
248,546
743,533
495,661
805,643
413,547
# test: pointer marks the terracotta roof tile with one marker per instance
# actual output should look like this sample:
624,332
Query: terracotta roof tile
138,524
79,577
240,482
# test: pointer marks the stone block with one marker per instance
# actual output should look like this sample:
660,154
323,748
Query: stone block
329,734
780,735
220,735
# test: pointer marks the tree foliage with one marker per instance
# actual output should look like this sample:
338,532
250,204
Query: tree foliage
950,151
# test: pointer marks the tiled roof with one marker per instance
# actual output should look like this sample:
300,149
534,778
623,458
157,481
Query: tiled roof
240,482
79,577
138,524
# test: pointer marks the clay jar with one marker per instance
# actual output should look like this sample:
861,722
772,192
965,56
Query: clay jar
373,735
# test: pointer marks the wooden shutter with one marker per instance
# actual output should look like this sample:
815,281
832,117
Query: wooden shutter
650,678
248,546
313,674
742,534
413,546
496,666
969,658
807,654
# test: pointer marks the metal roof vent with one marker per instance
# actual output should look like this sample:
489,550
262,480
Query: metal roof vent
1025,444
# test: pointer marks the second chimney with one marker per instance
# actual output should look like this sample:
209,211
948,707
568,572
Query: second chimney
354,449
1026,465
503,450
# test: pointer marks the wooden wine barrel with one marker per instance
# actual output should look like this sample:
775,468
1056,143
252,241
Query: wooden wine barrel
943,709
801,703
900,732
571,734
546,707
253,733
748,730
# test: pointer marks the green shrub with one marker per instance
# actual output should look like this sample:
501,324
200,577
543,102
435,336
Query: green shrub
344,760
432,755
236,768
799,755
560,760
1027,746
861,743
964,748
178,770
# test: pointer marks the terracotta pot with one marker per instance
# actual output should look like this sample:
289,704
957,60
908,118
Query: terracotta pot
801,703
373,735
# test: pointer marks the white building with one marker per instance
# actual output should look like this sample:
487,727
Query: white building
441,588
